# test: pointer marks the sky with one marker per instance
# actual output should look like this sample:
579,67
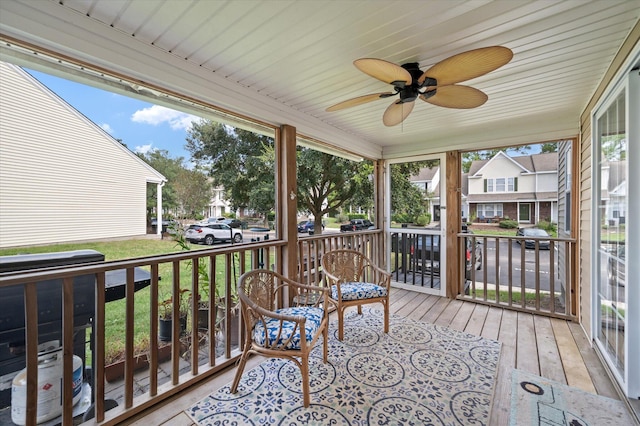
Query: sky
141,126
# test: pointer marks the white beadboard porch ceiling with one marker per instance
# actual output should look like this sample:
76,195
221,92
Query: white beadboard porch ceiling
286,61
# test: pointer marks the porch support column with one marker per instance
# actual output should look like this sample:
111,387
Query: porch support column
286,200
159,209
454,222
379,210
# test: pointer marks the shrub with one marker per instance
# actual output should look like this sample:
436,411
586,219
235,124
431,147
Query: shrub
340,218
508,223
357,216
400,218
548,226
423,220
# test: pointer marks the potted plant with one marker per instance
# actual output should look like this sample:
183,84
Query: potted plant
165,313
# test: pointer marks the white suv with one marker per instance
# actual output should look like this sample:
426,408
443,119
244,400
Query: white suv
212,232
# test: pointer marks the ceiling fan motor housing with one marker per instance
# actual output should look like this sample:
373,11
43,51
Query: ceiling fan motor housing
411,92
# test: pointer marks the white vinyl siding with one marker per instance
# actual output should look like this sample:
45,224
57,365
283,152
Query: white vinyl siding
62,178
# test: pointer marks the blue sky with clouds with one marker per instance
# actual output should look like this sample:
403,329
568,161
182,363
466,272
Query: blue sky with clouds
140,125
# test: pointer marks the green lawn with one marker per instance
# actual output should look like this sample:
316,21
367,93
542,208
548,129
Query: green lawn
115,311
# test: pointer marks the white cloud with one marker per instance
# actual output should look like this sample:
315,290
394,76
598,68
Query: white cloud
107,128
157,115
144,149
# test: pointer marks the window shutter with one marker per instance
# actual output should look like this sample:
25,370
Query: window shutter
515,184
485,185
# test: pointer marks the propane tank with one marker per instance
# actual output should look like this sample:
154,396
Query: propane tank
50,372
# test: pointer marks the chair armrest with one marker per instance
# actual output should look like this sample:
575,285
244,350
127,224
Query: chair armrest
379,275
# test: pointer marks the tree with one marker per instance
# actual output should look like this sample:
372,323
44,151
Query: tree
169,168
549,147
193,190
325,183
243,163
406,198
186,193
240,161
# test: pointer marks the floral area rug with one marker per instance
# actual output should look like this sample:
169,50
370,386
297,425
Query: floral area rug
539,401
417,374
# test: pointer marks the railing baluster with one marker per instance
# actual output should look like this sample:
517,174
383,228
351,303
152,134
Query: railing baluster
552,290
97,350
31,331
532,286
497,270
523,268
67,349
153,332
129,335
510,272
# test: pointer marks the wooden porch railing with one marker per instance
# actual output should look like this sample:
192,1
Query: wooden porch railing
510,275
218,345
532,280
215,349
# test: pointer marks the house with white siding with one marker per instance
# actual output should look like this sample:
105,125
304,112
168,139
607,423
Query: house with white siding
523,188
62,177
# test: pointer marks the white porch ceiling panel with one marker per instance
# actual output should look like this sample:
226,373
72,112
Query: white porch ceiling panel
286,61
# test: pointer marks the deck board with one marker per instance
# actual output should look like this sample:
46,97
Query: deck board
552,348
491,328
449,313
550,362
462,317
508,335
476,322
572,361
597,371
527,350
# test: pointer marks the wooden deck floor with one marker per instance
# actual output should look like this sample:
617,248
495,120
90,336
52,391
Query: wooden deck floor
552,348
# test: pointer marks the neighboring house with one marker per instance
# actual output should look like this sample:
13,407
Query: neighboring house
63,178
218,206
521,188
614,192
428,181
464,196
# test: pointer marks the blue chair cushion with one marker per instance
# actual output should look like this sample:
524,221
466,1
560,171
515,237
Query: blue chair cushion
314,318
358,291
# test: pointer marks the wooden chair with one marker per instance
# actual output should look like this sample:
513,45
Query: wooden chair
281,332
355,281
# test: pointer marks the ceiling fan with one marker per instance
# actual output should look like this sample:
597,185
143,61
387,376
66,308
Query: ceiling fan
437,85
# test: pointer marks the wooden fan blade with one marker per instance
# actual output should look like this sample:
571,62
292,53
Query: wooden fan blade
359,101
397,112
383,70
455,96
468,65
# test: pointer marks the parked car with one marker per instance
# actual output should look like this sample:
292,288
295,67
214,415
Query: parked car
212,232
307,226
166,223
233,223
616,267
214,220
357,225
425,253
536,233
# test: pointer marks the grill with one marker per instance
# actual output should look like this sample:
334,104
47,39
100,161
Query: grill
49,295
